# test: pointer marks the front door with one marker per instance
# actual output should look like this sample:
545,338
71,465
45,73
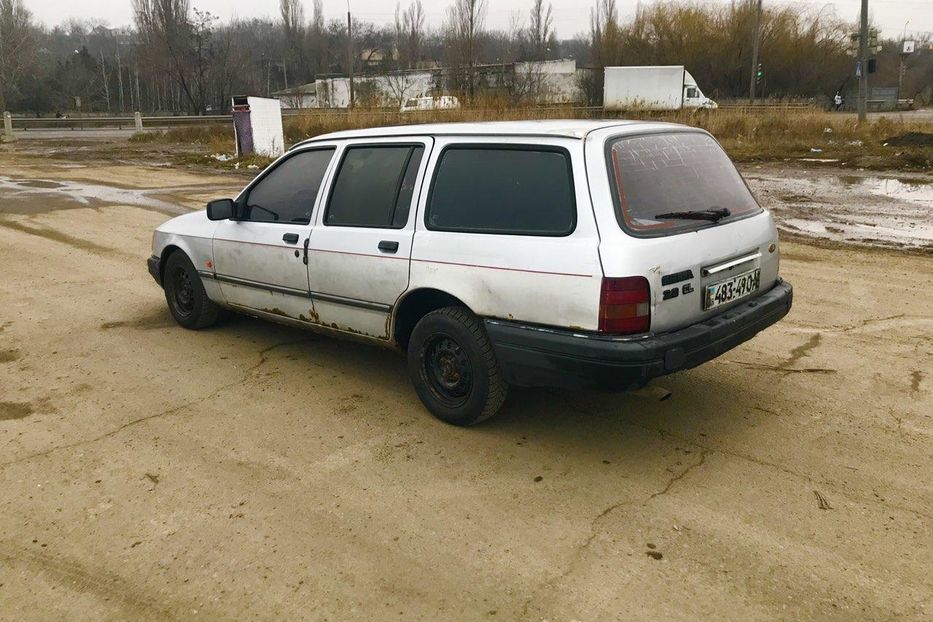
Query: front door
259,257
361,244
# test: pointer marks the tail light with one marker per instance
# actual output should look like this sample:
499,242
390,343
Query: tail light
625,305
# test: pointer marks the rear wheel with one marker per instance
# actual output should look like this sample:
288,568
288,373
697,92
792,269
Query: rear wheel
453,367
185,294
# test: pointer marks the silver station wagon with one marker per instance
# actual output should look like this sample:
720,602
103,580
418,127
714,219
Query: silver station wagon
536,253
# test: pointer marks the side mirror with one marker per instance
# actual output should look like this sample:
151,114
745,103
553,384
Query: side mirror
221,209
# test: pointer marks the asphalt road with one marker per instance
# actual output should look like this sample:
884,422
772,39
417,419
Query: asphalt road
253,471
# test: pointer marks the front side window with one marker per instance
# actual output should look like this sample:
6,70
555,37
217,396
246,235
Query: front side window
374,186
287,193
677,182
503,189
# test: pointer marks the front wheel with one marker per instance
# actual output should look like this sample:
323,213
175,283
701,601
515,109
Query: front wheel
453,367
185,294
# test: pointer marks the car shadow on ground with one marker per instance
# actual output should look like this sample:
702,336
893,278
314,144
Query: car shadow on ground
701,401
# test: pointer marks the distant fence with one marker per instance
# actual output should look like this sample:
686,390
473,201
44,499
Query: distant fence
385,116
125,122
766,106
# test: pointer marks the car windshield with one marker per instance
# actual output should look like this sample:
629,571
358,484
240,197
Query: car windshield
676,182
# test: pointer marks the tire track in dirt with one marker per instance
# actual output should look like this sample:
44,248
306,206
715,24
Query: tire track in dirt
263,358
80,577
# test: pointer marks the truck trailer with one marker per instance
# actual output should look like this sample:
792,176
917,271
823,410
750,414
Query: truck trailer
668,87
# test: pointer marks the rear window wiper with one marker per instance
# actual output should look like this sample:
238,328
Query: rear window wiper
713,215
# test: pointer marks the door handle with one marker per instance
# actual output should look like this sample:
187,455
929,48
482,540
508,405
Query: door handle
290,238
387,246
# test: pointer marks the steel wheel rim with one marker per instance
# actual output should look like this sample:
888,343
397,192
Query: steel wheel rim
182,292
447,369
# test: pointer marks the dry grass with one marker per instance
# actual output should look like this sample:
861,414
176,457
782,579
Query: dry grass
217,137
746,135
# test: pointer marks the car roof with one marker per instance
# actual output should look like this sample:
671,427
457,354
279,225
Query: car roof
564,128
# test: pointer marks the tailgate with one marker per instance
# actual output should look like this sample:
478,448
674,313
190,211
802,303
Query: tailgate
671,207
686,272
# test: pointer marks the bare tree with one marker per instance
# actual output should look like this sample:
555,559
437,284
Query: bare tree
17,45
293,17
176,60
604,36
465,19
179,45
514,37
317,15
540,29
316,40
202,31
293,24
413,33
401,86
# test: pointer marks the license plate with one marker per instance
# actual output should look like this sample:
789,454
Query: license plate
726,291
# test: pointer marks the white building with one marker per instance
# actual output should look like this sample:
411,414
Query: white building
544,82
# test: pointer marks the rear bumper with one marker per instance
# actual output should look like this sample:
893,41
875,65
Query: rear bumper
153,265
535,356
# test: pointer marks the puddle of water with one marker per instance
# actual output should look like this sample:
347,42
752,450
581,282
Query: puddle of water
38,183
898,233
887,211
42,195
911,192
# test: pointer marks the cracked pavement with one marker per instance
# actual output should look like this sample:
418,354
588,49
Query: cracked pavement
256,471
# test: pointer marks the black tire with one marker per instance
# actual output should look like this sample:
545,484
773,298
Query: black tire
185,294
454,368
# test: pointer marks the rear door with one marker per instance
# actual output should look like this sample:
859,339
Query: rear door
361,243
659,198
507,228
258,259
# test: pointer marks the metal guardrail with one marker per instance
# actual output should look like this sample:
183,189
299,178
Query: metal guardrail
768,106
80,123
384,115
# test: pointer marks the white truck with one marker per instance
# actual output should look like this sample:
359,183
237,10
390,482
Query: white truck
668,87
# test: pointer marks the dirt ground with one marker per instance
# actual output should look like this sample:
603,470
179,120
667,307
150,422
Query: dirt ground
253,471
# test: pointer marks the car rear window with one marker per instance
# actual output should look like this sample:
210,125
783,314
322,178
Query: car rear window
657,174
503,189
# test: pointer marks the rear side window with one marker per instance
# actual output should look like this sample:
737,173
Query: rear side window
286,194
374,186
503,189
660,174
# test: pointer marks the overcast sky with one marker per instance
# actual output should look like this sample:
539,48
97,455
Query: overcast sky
570,16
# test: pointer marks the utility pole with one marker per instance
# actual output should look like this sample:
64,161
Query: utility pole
904,54
120,80
863,64
350,51
756,36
